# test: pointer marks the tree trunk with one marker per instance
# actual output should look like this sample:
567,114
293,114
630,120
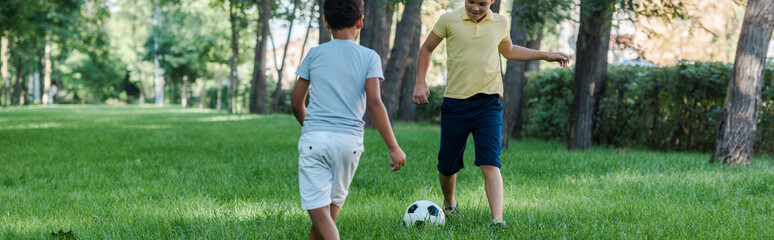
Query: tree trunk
17,89
158,75
4,70
408,110
376,27
495,6
258,94
133,30
36,78
735,136
397,64
142,84
534,66
375,34
184,93
513,81
232,76
218,105
203,91
25,93
601,82
530,66
325,35
26,97
58,80
306,36
594,14
47,72
278,89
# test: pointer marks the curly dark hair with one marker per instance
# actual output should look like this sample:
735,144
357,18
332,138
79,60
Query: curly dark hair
342,14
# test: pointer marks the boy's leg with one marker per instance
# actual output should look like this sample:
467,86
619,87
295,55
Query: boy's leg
323,225
447,187
455,128
318,190
493,183
487,135
334,211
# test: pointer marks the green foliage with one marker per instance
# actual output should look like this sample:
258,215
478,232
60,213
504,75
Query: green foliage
672,108
212,96
538,16
431,112
14,16
547,101
764,137
93,78
667,10
111,172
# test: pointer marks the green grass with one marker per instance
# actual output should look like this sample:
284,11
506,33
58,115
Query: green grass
131,172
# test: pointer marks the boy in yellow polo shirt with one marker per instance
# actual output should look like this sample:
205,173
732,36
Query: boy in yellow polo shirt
475,39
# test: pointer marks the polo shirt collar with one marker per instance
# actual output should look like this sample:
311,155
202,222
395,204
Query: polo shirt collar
488,16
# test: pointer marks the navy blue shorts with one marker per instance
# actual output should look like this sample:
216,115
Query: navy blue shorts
480,115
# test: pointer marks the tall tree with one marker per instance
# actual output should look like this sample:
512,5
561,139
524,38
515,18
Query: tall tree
533,66
47,70
129,33
4,70
594,15
397,64
158,72
235,8
495,6
513,80
376,33
528,20
232,74
325,35
407,111
18,87
600,83
377,26
258,92
281,69
734,138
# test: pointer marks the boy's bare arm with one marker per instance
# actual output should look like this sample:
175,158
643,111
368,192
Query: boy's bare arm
421,93
519,53
382,122
297,101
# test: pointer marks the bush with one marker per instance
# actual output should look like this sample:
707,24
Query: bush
547,101
671,108
431,112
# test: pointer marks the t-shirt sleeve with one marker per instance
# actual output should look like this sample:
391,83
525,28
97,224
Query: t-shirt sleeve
441,27
303,70
375,67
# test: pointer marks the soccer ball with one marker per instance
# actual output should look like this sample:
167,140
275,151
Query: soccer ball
423,212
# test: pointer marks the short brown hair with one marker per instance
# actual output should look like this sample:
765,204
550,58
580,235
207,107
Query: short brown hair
342,14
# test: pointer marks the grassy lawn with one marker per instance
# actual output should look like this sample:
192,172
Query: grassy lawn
131,172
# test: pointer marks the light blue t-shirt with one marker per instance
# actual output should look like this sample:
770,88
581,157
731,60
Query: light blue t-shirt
337,73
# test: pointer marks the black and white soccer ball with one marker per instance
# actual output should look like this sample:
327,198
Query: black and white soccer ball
424,212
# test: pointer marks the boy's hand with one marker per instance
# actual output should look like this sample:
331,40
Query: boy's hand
562,58
398,159
421,94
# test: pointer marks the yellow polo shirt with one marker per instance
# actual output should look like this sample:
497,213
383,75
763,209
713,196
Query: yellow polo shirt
472,54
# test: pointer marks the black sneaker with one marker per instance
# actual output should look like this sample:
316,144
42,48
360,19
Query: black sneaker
498,224
451,211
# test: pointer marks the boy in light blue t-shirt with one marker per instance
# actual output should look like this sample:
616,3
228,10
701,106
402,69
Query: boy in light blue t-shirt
342,79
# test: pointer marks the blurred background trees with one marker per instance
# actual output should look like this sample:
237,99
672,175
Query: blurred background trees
240,56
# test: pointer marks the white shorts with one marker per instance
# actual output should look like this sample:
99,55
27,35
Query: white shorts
326,164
